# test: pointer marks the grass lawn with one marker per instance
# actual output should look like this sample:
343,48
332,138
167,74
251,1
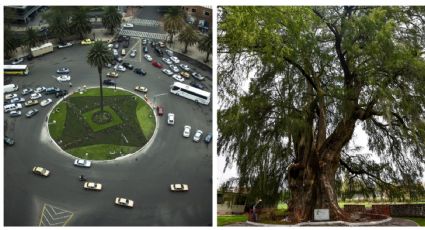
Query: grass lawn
97,152
131,127
226,220
418,220
116,120
59,116
146,118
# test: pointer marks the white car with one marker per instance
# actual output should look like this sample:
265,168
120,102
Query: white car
128,25
15,113
186,131
133,53
141,88
170,119
64,78
45,102
16,100
93,186
115,51
124,202
63,70
35,96
169,52
148,57
175,59
197,136
177,77
167,61
174,68
40,171
179,187
40,89
64,45
167,71
17,61
82,163
10,96
120,68
27,91
185,67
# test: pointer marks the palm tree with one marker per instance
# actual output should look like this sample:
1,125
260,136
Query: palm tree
188,36
205,45
174,21
10,42
111,18
31,38
58,20
98,56
80,22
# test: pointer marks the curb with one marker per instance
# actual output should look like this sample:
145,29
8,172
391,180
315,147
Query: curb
324,223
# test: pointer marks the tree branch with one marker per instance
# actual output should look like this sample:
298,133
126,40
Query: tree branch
360,172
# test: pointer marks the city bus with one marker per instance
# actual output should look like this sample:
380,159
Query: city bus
17,70
191,93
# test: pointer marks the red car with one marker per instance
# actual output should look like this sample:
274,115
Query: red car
156,64
160,110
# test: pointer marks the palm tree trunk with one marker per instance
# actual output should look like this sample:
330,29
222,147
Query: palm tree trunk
99,69
185,47
208,55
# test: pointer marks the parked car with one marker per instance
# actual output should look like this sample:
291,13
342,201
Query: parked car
198,85
145,49
118,59
16,100
27,91
64,45
117,46
31,113
40,89
82,163
144,41
92,186
127,65
170,119
139,71
167,72
17,61
125,44
156,64
178,78
197,136
109,82
35,96
159,51
64,78
175,59
87,41
128,25
148,57
124,202
174,68
169,52
46,102
185,74
133,53
11,107
40,171
167,61
186,131
141,89
30,103
10,96
61,93
208,138
161,44
120,68
15,113
51,90
115,52
9,141
112,74
160,110
185,67
63,70
179,187
198,76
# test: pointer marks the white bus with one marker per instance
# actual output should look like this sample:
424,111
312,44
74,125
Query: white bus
21,70
191,93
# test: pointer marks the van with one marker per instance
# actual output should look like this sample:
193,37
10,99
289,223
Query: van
10,88
12,107
123,52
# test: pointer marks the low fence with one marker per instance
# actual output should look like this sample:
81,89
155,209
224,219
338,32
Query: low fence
395,210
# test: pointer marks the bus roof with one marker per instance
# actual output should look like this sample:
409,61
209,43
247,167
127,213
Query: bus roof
15,67
193,89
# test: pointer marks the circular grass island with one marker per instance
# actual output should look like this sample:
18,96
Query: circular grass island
79,128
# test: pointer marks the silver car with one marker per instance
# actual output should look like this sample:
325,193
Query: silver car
82,163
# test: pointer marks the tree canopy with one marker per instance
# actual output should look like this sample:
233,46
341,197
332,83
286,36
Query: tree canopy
315,75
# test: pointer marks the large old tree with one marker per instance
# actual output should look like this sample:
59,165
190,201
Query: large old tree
315,75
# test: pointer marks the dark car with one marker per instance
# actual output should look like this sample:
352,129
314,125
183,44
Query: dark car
51,90
208,138
120,38
127,65
61,93
160,110
118,59
9,141
145,49
198,85
198,76
126,38
159,51
126,43
109,82
139,71
153,44
156,64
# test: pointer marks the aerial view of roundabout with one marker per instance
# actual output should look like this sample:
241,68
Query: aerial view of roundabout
139,155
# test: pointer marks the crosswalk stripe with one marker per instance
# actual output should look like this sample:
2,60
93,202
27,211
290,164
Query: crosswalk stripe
133,33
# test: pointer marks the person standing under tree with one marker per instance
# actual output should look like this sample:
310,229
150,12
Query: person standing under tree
254,211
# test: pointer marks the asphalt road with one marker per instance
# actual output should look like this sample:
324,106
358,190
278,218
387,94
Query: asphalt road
143,177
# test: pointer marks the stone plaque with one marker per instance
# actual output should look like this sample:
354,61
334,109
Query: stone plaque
321,214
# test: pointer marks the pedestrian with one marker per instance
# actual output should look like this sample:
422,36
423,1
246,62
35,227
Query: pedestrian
254,210
70,84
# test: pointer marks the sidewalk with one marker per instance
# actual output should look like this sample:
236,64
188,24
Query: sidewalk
192,51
